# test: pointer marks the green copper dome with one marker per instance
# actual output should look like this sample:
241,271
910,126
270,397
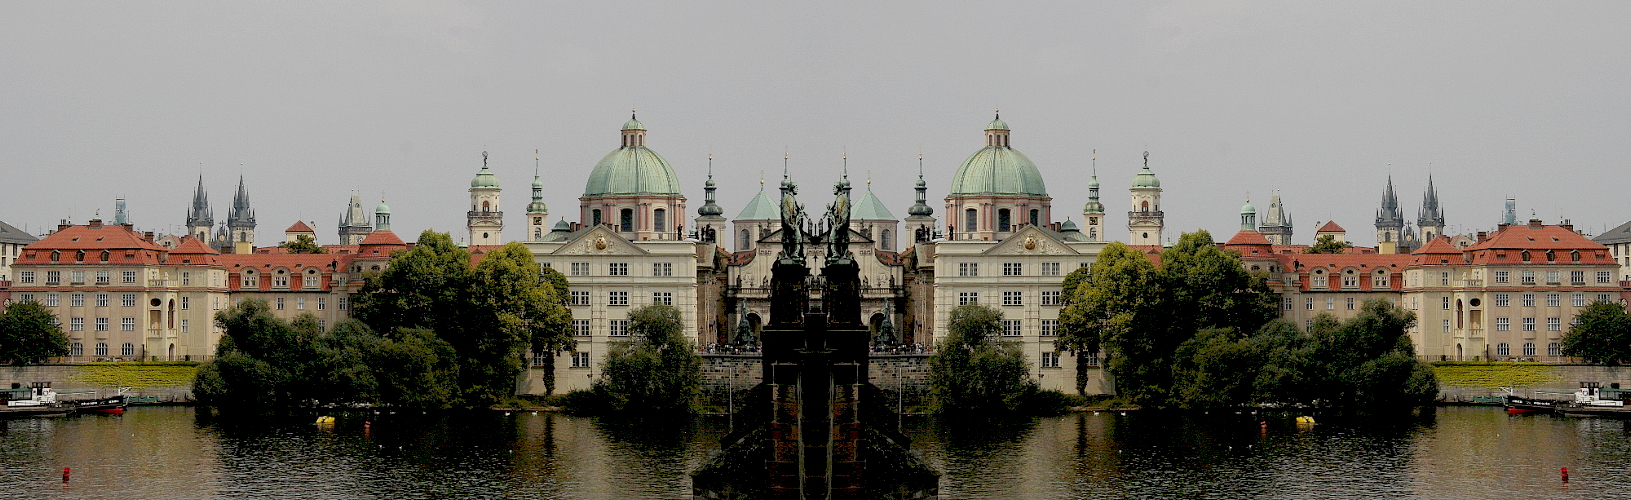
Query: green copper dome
997,124
632,170
1248,209
633,124
382,209
484,179
999,171
1146,179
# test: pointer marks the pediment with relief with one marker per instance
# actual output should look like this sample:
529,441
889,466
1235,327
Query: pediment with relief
599,241
1031,241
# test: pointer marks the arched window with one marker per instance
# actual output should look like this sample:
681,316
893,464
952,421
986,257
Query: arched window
1528,348
1004,220
594,217
1036,217
127,349
886,239
537,234
971,220
626,220
744,240
76,350
486,206
1502,349
1554,349
101,348
1144,206
659,220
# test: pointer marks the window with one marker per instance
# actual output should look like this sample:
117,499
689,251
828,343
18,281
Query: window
300,303
617,269
1050,268
1309,303
280,281
662,268
76,300
1577,277
51,300
1350,281
102,278
127,349
185,302
966,298
76,350
664,298
310,281
1446,324
617,298
322,303
101,348
1013,269
26,297
251,280
1554,349
101,324
76,324
1604,297
1529,300
580,268
1602,277
1503,276
1287,303
1320,281
595,217
280,303
1013,298
1503,349
580,327
659,219
186,278
1380,281
1503,324
968,269
25,276
1330,303
580,359
1092,359
625,219
1579,300
971,220
102,300
1308,324
1554,324
1350,303
127,324
184,325
1050,327
619,327
538,358
1528,277
1503,299
1005,220
1553,277
1050,297
1050,360
127,276
580,298
53,277
1446,303
1528,348
1529,324
1444,278
1554,299
79,279
1010,328
340,303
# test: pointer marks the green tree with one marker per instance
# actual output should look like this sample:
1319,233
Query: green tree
657,373
559,337
415,370
1601,334
973,370
423,287
1140,316
261,360
27,334
303,243
1327,243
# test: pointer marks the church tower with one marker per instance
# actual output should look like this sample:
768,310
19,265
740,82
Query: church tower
382,216
1093,211
1248,216
710,216
634,191
1390,223
241,221
1145,221
1431,217
920,216
1276,225
200,218
486,218
537,211
354,222
996,191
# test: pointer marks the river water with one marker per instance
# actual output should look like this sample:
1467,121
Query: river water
180,452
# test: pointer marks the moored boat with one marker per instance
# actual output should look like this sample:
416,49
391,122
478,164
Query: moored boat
38,400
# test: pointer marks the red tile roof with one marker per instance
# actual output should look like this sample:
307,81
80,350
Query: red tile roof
1545,244
1438,251
1330,227
299,227
99,237
1248,237
382,237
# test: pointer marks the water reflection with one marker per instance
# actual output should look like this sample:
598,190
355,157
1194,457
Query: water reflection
179,452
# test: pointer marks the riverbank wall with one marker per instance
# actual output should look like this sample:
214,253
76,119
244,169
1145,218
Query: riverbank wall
902,378
170,382
1461,381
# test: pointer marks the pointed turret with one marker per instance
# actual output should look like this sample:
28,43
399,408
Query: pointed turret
200,218
1248,216
1276,224
1431,217
1390,223
241,221
1093,210
354,224
711,216
537,211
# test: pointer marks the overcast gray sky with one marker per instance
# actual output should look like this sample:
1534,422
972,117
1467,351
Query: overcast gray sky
100,100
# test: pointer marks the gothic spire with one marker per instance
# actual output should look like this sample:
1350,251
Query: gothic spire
1389,216
200,214
241,216
1431,214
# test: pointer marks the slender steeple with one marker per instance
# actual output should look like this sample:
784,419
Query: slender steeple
537,205
921,208
200,218
1431,215
710,207
242,215
1093,211
1390,230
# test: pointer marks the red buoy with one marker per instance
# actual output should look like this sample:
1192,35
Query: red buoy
65,474
1565,475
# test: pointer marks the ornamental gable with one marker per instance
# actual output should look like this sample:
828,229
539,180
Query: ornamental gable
599,241
1031,241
